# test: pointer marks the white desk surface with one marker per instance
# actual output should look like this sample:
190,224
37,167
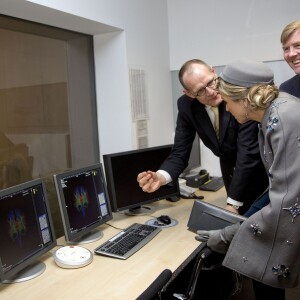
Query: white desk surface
110,278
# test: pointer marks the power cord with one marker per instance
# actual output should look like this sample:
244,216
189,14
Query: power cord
192,196
118,228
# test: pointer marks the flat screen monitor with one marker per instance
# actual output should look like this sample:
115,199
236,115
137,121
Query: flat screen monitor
194,159
26,231
122,169
84,203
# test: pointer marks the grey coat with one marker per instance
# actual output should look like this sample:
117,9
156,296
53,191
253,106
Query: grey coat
267,246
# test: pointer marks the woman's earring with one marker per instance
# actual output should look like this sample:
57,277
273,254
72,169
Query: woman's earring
246,109
246,115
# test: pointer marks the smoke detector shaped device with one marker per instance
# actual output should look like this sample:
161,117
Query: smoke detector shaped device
72,257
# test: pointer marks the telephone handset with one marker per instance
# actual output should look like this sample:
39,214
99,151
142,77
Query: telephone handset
187,191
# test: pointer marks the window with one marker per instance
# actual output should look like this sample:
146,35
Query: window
48,120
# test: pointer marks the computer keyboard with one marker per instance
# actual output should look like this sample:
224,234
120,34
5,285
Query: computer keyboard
128,241
214,184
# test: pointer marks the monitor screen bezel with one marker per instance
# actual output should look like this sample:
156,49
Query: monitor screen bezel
74,237
116,206
34,258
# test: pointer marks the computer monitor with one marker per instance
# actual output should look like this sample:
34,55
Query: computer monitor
194,159
122,169
84,203
26,231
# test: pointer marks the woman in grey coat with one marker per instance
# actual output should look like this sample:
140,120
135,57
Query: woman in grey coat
265,247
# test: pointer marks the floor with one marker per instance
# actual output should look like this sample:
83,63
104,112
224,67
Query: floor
247,294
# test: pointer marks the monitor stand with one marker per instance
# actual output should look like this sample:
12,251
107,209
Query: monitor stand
140,211
33,270
90,237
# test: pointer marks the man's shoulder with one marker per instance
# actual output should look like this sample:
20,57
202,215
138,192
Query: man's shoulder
289,83
185,98
187,102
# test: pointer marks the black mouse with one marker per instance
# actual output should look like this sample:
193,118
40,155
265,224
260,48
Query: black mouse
164,219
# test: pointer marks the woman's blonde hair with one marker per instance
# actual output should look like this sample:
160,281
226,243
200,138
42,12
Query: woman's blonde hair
258,96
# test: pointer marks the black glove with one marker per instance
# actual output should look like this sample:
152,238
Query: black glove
218,240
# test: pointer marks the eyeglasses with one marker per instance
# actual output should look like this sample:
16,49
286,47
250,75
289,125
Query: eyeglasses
211,84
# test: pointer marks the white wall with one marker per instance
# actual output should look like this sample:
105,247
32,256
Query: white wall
219,31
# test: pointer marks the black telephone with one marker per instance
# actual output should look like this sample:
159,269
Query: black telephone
196,180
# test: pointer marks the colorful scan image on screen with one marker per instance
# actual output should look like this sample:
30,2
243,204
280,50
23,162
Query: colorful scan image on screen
83,202
26,230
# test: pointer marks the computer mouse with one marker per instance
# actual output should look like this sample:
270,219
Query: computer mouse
164,219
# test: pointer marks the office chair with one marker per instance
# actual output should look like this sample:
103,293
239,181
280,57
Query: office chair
152,292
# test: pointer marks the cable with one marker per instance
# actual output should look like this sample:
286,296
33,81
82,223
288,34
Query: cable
114,226
192,196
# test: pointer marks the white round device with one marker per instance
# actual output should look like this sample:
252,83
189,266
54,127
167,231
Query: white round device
71,257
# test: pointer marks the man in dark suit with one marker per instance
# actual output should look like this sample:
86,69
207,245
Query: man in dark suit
290,40
236,145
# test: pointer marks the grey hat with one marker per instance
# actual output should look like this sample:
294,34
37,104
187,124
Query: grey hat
247,73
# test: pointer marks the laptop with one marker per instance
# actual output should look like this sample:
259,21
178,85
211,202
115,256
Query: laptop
206,216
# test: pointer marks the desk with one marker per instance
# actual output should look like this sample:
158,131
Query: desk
109,278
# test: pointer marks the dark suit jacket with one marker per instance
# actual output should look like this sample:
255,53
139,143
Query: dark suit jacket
291,86
243,172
